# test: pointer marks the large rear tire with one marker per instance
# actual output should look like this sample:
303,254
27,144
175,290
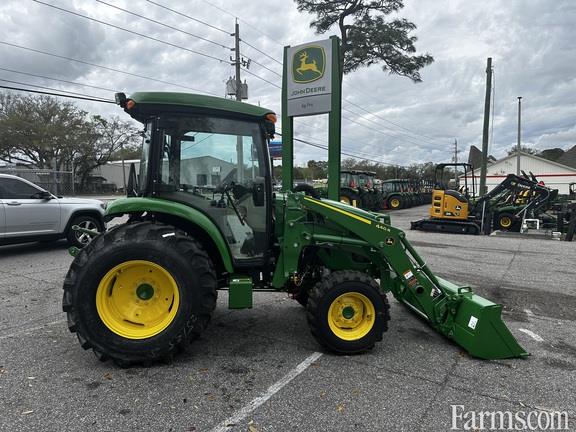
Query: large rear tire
139,293
350,198
395,202
347,312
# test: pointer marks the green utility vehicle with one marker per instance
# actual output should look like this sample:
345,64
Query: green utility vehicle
202,216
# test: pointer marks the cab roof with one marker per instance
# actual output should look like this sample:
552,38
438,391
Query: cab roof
197,101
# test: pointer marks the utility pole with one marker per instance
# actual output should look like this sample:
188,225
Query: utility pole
237,60
486,129
519,138
239,144
456,182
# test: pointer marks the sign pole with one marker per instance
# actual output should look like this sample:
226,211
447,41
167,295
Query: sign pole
287,132
334,125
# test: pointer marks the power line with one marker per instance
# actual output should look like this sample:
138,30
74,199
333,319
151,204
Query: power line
47,88
132,32
105,67
261,65
388,121
163,24
402,138
366,126
242,20
57,79
261,52
357,155
384,119
260,78
189,17
57,94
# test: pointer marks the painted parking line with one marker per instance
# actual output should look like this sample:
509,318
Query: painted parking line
242,413
533,335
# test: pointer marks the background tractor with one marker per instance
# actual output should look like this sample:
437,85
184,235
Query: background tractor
202,216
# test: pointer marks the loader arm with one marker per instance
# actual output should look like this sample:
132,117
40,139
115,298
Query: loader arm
455,311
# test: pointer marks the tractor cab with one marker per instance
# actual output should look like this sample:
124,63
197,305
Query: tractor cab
216,164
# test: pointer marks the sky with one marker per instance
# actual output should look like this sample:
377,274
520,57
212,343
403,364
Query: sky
385,117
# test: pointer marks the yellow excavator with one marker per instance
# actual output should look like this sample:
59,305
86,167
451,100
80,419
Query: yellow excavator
460,211
450,209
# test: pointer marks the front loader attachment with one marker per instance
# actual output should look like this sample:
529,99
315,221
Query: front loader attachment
471,321
475,324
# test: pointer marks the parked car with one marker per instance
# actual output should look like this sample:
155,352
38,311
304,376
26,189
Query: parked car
29,213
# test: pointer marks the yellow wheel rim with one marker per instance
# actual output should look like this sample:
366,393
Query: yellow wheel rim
345,200
395,203
505,222
137,299
351,316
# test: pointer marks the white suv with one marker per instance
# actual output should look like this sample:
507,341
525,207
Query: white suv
30,213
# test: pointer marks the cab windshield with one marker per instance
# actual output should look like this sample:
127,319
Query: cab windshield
218,166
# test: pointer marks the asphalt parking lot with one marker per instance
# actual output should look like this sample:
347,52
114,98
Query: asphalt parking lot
261,370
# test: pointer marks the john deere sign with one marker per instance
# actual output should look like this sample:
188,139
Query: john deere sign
309,78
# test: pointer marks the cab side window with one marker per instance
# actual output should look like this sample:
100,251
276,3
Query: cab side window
16,189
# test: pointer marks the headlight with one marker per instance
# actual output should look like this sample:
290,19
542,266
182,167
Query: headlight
104,205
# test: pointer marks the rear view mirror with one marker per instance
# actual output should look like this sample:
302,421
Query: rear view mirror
45,195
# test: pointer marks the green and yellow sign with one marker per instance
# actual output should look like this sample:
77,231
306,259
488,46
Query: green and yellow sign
308,64
309,83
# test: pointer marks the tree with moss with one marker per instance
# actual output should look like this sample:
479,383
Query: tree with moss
369,34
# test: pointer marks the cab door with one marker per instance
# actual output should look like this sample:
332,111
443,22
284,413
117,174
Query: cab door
25,214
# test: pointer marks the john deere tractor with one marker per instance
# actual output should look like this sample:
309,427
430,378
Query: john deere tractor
358,189
202,216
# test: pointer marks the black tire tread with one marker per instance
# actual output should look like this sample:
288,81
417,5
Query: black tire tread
323,287
136,232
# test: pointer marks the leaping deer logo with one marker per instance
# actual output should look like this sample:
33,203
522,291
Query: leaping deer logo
307,66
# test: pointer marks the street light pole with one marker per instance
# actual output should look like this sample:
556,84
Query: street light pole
486,127
519,136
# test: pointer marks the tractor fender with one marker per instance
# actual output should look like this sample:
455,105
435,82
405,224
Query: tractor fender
170,209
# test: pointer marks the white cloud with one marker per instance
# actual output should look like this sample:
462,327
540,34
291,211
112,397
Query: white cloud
531,44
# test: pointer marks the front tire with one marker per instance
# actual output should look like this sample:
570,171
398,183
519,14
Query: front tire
347,312
139,293
507,222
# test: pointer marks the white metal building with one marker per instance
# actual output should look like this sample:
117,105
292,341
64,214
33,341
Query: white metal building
553,174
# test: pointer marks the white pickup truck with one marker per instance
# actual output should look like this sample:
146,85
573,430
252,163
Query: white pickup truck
29,213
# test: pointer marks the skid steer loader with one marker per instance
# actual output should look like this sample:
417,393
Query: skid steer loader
202,216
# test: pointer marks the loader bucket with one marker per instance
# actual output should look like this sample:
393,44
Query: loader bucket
478,326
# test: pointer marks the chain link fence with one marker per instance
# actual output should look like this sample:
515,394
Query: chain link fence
57,182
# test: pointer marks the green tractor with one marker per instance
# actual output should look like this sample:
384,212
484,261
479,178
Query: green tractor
201,216
397,194
357,188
